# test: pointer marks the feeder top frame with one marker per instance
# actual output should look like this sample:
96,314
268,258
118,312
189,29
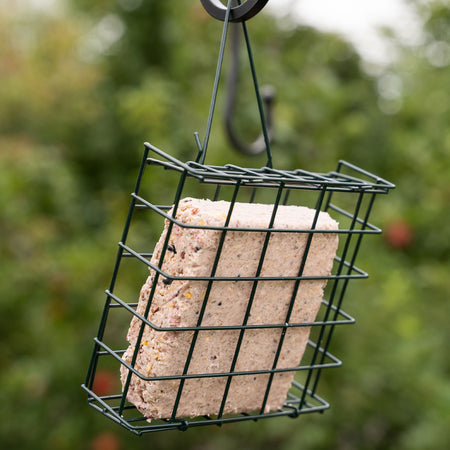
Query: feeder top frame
359,180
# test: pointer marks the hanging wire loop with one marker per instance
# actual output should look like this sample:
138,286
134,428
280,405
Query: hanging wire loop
239,13
265,133
268,95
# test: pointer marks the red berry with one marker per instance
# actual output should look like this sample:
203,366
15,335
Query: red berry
105,441
104,383
399,234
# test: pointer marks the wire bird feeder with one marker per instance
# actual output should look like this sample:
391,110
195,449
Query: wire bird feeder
233,359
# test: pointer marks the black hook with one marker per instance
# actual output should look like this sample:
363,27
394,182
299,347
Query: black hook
267,96
238,13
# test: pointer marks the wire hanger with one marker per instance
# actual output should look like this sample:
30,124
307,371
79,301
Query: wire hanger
239,13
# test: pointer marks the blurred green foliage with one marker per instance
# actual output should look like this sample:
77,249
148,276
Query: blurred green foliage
82,89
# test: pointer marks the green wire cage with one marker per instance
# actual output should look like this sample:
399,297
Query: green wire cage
347,195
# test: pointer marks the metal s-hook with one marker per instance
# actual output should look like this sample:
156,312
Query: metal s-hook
267,96
238,13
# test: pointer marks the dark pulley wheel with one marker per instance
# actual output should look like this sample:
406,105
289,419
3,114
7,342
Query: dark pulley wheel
238,13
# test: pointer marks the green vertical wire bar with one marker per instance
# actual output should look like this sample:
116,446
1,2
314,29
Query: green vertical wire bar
217,193
328,201
251,298
286,196
201,156
152,291
336,282
205,300
258,95
344,288
101,330
199,146
293,297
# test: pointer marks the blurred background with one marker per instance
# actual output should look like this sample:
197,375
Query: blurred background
83,84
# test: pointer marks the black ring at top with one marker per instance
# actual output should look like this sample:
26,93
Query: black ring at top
239,13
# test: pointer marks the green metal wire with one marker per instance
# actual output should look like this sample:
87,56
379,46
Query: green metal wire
206,297
149,303
293,297
258,95
203,147
202,154
332,295
251,299
345,283
101,330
